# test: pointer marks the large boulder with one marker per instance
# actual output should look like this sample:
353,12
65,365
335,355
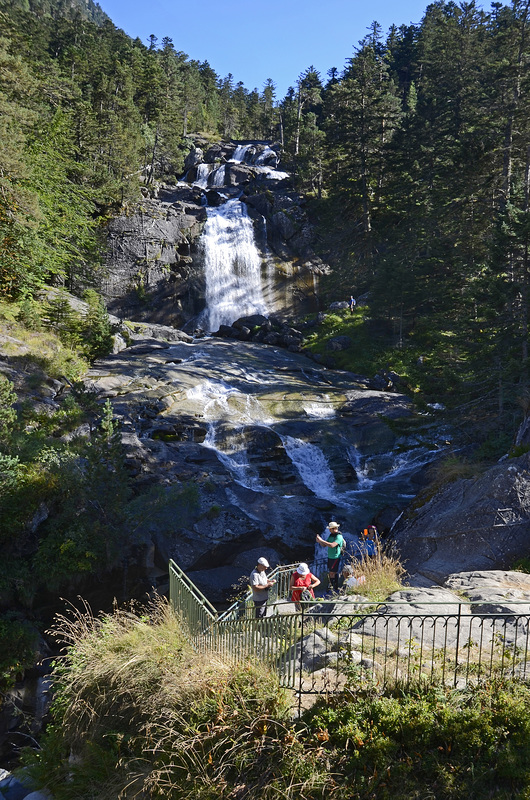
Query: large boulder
193,158
481,523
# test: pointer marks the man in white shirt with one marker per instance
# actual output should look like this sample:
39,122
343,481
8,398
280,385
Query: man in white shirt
260,585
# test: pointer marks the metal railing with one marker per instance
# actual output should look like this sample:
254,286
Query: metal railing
195,610
344,642
243,607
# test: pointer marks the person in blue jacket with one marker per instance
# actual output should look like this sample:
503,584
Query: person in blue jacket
368,543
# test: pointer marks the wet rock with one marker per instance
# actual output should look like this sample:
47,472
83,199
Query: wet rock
146,247
214,198
252,321
213,154
195,156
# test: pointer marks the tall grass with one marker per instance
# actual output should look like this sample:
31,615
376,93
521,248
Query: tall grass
383,573
139,715
144,715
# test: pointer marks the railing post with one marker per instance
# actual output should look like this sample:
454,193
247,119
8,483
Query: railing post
458,625
302,618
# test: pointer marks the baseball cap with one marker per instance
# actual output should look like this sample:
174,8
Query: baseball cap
333,525
263,562
302,568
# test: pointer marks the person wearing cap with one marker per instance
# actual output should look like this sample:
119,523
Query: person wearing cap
302,579
336,545
260,585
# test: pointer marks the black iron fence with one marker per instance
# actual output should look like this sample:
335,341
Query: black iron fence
334,644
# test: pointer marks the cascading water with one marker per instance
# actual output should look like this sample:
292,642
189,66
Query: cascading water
232,266
219,402
240,153
218,177
203,170
266,155
312,466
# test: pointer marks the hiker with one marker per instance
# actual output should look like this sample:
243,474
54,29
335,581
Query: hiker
351,303
302,585
369,542
349,581
260,585
336,546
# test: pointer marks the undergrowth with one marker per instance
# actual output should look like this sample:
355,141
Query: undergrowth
139,714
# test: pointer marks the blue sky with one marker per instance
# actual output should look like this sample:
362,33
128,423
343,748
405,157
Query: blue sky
278,39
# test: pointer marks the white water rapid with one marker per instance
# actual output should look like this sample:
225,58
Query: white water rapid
203,170
232,266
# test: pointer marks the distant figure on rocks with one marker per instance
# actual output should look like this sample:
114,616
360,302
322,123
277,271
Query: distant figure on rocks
260,585
302,585
336,546
351,303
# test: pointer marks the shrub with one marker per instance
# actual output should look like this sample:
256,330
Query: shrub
17,649
146,715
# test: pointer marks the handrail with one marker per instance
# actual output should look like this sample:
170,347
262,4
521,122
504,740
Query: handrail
192,588
236,610
358,639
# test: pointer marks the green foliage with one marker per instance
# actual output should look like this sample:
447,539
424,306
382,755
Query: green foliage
89,333
443,743
7,412
522,565
17,649
88,533
213,512
178,721
140,709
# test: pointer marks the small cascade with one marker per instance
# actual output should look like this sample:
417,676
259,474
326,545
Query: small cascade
312,466
265,155
222,403
355,459
217,180
233,455
232,266
203,170
319,410
240,153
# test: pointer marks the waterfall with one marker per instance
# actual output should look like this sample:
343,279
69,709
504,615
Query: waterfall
263,156
240,153
312,466
232,266
203,170
235,459
363,481
218,177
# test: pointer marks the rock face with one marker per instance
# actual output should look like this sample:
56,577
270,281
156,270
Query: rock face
155,262
150,271
476,524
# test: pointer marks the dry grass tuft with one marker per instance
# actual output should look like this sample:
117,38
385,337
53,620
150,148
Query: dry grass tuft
144,715
383,572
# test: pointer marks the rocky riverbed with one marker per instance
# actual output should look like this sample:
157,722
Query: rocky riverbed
276,444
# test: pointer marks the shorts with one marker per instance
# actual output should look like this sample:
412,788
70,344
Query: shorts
333,564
